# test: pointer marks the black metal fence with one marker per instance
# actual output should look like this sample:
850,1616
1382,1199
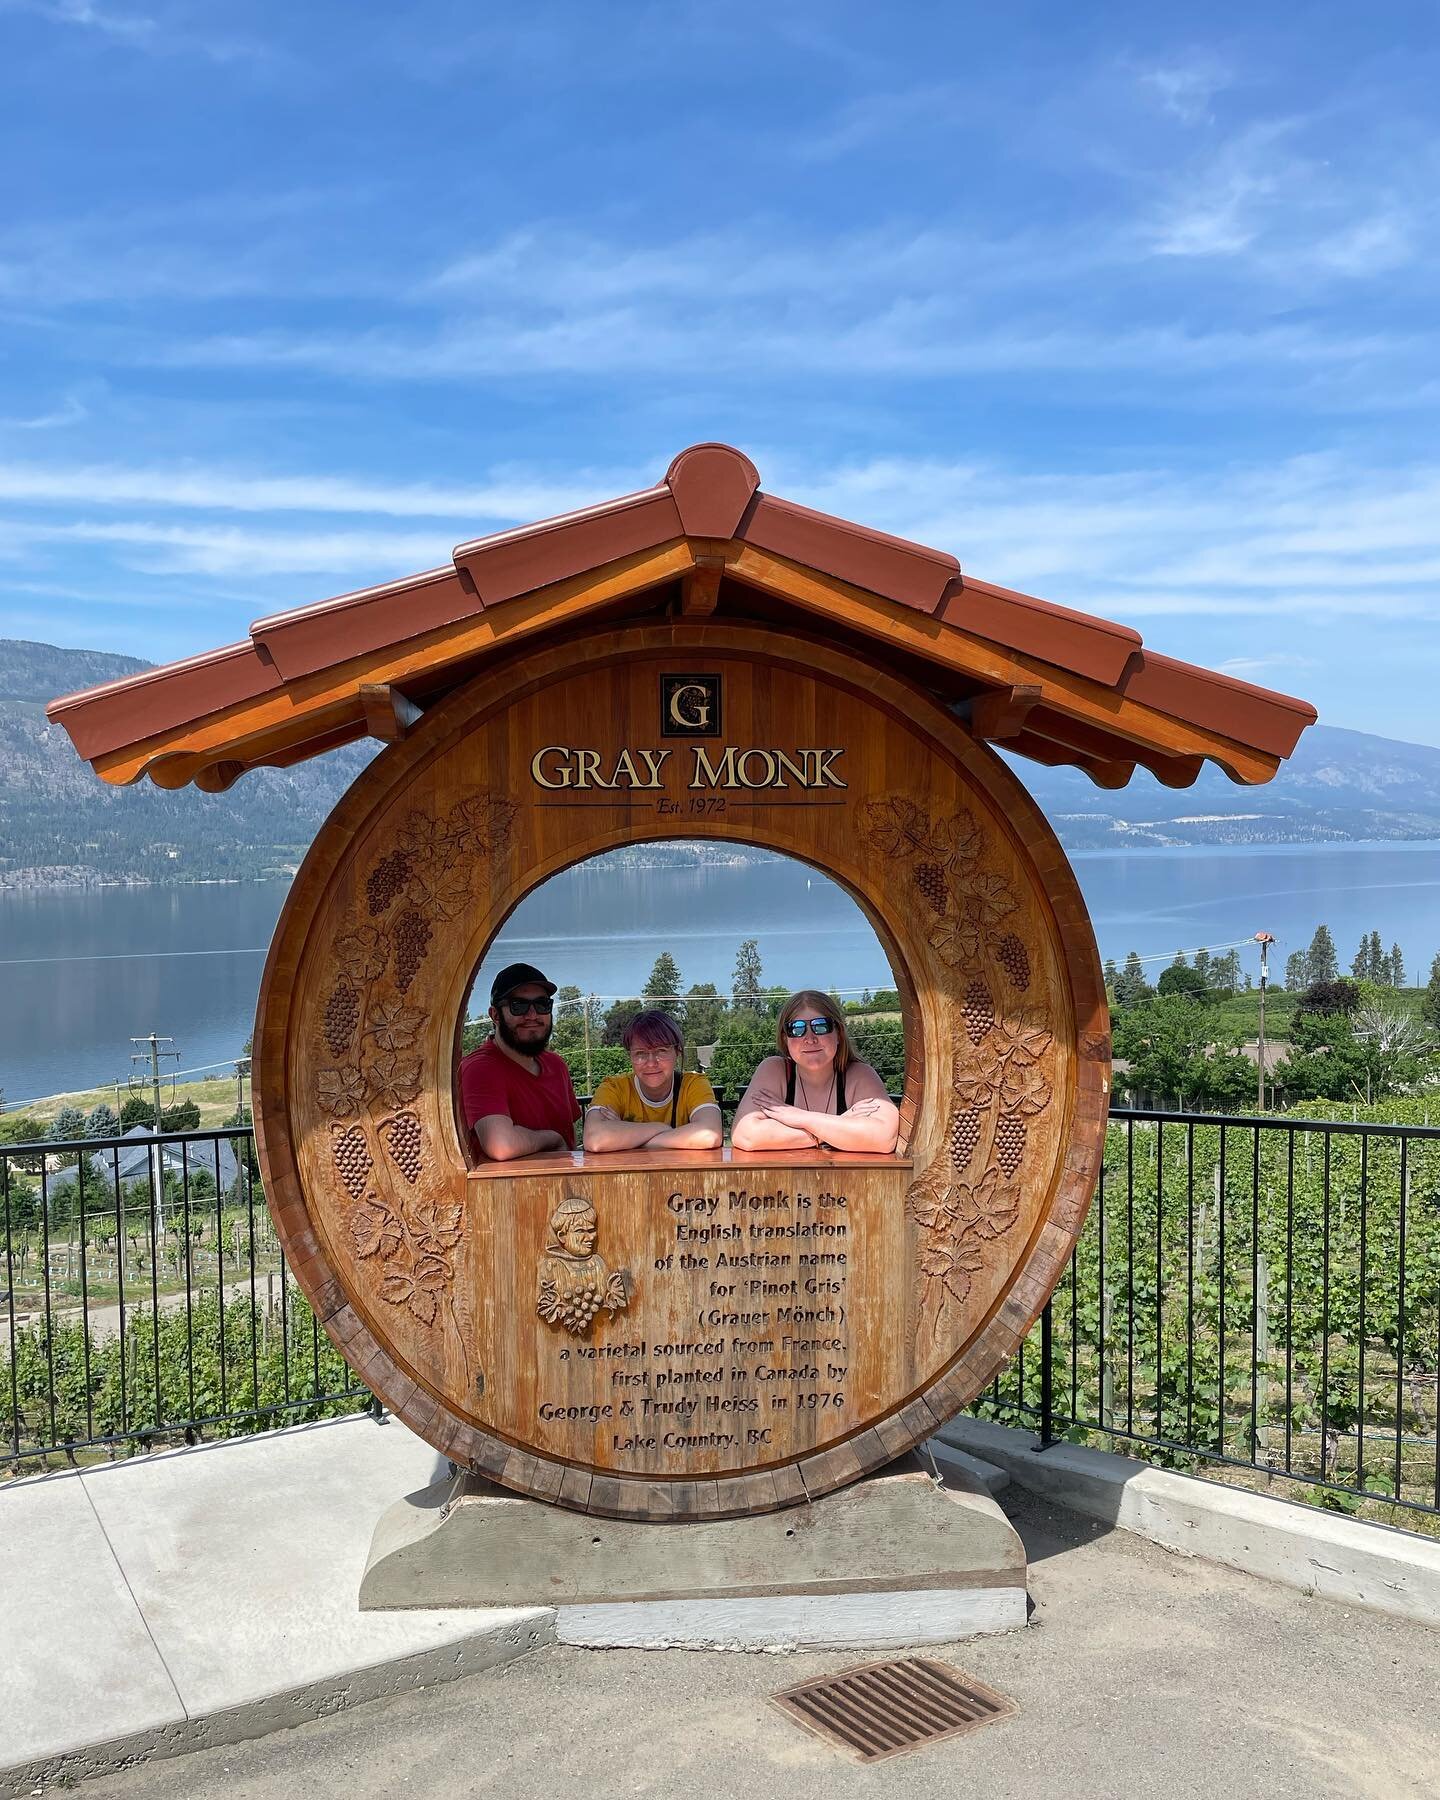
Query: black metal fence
1258,1294
144,1299
1261,1294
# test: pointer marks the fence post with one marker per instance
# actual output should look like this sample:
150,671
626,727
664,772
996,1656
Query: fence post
1047,1380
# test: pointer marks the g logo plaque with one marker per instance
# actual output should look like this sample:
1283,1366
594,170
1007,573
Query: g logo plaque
690,706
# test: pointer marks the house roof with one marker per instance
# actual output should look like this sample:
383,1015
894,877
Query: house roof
1046,681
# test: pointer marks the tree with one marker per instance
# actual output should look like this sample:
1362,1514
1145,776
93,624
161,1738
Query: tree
1430,1005
567,1003
749,982
704,1013
1326,997
68,1124
183,1117
1131,988
1178,979
1297,972
1320,958
1397,967
746,1039
137,1110
1374,960
1112,974
662,986
617,1016
1203,964
1174,1051
1393,1041
1360,962
1225,973
103,1121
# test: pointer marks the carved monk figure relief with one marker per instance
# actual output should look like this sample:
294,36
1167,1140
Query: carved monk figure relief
575,1282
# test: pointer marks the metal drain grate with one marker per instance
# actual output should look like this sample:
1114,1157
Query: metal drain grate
886,1708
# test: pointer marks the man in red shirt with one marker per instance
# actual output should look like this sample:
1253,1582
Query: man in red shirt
516,1095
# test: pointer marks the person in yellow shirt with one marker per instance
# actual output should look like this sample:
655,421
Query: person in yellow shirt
655,1107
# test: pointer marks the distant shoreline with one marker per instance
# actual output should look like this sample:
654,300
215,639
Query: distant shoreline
24,881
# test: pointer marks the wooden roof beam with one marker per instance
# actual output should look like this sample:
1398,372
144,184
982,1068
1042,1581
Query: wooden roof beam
389,714
1000,713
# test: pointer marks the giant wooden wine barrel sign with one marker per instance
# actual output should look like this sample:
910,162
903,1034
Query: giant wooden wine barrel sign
698,1333
676,1336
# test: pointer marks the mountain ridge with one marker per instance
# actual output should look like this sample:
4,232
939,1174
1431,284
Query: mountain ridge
58,824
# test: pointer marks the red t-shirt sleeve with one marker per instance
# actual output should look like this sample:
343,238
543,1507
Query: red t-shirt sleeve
482,1089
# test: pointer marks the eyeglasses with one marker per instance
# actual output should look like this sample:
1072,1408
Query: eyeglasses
518,1008
652,1052
796,1028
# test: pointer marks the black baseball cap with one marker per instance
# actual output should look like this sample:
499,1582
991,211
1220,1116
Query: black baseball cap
516,975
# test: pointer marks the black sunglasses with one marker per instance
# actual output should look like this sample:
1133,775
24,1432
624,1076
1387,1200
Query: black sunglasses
518,1008
796,1028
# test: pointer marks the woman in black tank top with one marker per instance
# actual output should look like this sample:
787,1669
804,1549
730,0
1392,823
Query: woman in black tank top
814,1092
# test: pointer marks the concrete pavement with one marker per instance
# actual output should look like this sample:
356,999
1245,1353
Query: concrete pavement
171,1601
1141,1672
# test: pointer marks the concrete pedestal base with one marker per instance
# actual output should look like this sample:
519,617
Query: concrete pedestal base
893,1560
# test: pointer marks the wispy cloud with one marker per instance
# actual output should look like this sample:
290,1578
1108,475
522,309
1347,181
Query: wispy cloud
130,27
69,412
1185,87
505,498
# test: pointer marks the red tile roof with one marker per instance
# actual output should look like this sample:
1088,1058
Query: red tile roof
1124,704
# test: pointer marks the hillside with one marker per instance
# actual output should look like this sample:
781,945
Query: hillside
59,824
1340,786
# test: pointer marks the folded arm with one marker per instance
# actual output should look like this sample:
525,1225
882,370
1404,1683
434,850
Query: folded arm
502,1140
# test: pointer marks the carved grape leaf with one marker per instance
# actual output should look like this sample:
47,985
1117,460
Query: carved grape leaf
394,1079
427,841
437,1228
957,940
986,899
984,1207
976,1078
393,1024
362,952
441,891
373,1231
897,827
957,839
1025,1041
416,1289
482,823
1024,1089
340,1091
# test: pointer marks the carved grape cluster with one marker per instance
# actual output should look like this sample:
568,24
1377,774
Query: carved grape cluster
1014,958
978,1011
964,1136
353,1160
576,1309
1010,1138
342,1015
385,881
402,1142
930,879
413,932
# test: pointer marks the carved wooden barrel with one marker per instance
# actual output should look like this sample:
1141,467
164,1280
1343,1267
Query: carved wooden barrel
706,1333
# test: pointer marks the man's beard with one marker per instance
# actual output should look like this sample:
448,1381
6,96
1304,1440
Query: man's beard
506,1032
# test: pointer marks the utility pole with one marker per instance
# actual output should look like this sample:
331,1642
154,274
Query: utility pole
1264,939
585,1006
153,1055
242,1069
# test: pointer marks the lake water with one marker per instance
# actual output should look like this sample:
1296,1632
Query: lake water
81,971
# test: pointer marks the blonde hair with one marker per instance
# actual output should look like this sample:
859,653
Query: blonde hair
814,1004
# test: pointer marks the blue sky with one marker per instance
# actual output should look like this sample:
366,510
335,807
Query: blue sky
1131,307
